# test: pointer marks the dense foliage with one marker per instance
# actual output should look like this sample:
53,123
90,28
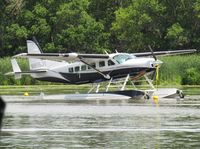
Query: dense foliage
97,25
180,69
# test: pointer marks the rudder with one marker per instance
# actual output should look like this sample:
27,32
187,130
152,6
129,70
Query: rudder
34,64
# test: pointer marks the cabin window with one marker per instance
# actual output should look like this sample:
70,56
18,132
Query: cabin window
101,63
122,58
93,65
83,67
77,68
110,63
71,69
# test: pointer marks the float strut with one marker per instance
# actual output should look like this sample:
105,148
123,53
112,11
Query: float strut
126,80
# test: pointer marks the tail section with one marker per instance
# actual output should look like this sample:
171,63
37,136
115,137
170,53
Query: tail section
39,68
18,73
34,64
39,64
16,69
15,66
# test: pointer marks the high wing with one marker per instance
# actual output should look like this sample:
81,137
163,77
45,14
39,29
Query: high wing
63,56
94,57
164,53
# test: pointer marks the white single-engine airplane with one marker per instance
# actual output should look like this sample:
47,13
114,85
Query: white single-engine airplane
75,68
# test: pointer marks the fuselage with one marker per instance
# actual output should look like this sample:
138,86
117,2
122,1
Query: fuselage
118,65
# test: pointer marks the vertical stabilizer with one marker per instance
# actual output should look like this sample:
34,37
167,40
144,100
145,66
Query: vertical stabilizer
34,64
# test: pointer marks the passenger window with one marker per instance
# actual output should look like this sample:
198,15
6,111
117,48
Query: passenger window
101,63
83,67
110,63
71,69
76,68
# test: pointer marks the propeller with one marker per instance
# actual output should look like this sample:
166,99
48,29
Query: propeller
154,56
156,71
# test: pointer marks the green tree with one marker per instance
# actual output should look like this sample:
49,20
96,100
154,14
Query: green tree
93,25
176,36
195,32
2,27
191,77
166,24
104,11
77,30
139,25
14,34
181,16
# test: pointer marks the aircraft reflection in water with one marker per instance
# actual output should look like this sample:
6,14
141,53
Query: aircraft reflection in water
74,68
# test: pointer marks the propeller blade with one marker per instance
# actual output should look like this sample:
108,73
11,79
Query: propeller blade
154,56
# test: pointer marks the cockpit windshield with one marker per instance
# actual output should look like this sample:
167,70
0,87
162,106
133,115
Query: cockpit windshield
122,58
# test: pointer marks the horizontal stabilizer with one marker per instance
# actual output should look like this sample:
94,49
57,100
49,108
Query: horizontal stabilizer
15,66
16,69
18,73
26,72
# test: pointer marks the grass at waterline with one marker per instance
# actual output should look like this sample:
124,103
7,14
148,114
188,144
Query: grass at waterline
47,89
190,90
180,69
73,89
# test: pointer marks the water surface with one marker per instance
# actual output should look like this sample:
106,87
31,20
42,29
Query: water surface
102,124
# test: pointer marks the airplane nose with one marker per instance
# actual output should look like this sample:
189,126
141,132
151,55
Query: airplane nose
156,63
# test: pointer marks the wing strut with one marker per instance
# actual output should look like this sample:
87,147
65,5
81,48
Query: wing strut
107,76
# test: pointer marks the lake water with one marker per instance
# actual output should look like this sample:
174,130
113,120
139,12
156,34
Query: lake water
102,124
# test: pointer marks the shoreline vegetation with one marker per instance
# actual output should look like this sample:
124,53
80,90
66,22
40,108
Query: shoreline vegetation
175,71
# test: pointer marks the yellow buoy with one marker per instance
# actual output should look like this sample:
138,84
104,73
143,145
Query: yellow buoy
26,94
155,99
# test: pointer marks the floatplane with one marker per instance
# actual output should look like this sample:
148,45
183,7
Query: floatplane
76,68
